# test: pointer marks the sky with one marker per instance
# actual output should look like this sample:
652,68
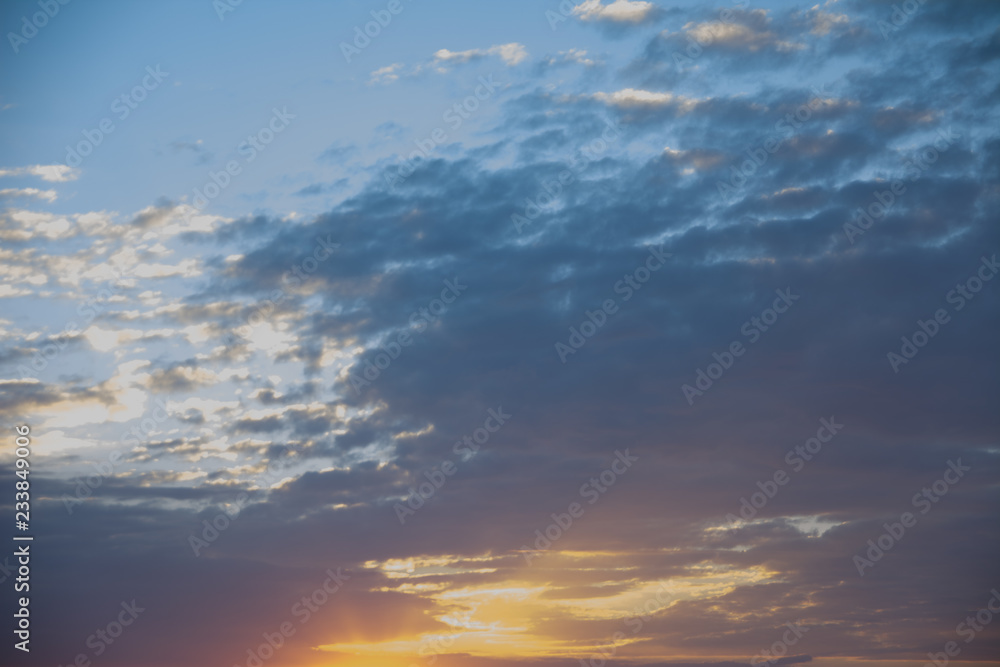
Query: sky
398,333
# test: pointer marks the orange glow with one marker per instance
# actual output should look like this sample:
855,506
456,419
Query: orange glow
484,616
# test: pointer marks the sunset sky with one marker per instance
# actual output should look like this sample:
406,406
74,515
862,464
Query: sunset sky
395,333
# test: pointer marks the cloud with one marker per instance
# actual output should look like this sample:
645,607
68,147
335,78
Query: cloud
631,97
197,147
386,74
618,11
12,193
511,54
56,173
826,22
323,188
571,56
747,31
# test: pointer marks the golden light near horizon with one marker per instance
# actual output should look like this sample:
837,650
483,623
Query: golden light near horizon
500,616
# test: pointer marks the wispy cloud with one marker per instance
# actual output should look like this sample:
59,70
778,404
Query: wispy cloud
13,193
55,173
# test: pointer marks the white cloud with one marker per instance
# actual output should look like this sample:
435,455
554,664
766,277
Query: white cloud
619,11
511,54
386,74
632,97
55,173
24,225
10,193
825,22
750,35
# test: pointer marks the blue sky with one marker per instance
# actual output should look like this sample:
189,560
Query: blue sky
222,87
680,309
